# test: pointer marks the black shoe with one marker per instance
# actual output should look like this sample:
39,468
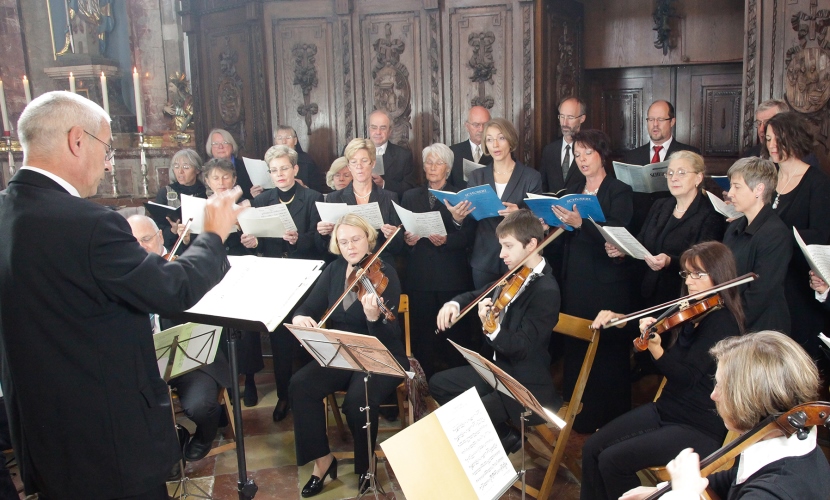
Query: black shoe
315,484
512,442
250,397
390,413
196,449
281,410
175,472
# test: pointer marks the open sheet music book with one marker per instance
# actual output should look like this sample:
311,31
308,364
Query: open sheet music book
454,452
643,178
421,224
722,208
267,222
623,240
185,348
332,212
258,292
485,201
159,213
258,172
542,206
818,256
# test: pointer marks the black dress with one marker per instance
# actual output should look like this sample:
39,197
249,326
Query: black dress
197,189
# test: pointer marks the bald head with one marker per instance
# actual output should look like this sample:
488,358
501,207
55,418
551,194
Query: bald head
147,233
476,119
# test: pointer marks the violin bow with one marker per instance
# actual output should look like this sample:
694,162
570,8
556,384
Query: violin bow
359,273
552,236
181,238
740,280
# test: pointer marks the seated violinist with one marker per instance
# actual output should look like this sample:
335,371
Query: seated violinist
759,374
353,238
683,416
519,342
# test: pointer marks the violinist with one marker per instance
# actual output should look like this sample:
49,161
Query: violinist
519,342
683,416
759,374
353,240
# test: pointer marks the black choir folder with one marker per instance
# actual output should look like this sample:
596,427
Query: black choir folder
159,213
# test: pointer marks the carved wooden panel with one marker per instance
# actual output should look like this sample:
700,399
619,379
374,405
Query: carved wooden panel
622,113
721,120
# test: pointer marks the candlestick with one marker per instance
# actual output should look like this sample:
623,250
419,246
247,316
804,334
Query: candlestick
139,118
7,129
27,90
71,82
145,187
104,92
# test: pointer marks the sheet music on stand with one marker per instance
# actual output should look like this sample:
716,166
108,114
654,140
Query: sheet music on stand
185,348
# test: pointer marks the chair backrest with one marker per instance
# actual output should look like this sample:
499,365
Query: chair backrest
403,308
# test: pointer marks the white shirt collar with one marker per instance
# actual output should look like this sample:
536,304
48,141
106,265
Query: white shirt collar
67,186
565,144
663,152
473,147
764,453
380,150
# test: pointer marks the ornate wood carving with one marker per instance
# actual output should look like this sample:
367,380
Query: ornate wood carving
435,77
391,90
230,102
305,76
722,114
622,112
483,66
348,98
567,71
527,83
750,68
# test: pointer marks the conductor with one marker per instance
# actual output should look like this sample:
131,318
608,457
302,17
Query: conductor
89,414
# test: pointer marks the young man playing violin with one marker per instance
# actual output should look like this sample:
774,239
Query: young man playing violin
518,343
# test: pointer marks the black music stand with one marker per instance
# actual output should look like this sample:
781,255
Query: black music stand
353,352
502,382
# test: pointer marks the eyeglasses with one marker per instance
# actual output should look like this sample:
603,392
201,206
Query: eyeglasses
475,125
759,123
110,150
223,143
284,137
436,163
182,167
363,161
695,276
652,121
148,239
279,170
569,117
668,174
345,243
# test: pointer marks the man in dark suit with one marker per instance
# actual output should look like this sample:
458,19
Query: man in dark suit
89,414
471,149
558,166
309,174
399,172
660,121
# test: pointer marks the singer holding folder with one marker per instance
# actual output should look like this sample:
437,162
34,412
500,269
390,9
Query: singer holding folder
352,239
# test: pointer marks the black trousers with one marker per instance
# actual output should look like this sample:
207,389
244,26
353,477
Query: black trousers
156,493
306,391
634,441
430,349
199,397
284,347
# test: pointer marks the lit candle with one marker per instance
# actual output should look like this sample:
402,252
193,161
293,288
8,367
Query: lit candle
139,118
7,129
104,92
27,90
71,82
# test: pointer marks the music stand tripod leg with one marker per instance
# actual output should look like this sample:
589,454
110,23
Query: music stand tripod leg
523,417
181,490
246,488
371,475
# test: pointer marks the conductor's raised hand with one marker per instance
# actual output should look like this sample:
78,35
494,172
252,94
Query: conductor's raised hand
221,212
448,313
305,321
460,211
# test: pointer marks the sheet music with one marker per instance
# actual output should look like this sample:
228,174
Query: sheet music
623,240
193,207
267,222
258,172
378,168
199,342
476,444
259,289
722,208
818,256
648,178
469,166
332,212
421,224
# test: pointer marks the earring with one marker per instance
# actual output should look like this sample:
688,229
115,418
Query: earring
756,195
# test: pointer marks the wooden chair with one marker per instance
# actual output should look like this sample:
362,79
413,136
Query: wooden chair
225,402
546,444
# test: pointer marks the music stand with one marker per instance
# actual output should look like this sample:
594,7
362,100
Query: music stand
181,350
353,352
502,382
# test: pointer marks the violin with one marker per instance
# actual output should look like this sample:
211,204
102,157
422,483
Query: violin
171,255
686,312
506,296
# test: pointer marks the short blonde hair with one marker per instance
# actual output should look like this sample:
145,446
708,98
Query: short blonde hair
693,159
226,136
356,145
280,151
337,165
756,171
762,374
508,131
354,221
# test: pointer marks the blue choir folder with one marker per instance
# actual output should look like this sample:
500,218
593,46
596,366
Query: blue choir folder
486,202
542,206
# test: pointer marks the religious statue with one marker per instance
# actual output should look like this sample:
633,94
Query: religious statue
95,13
180,102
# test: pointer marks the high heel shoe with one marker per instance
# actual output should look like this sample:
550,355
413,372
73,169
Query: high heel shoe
315,484
281,410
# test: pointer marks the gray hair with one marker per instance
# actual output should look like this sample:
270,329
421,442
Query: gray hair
337,165
443,152
225,135
45,121
381,112
756,171
280,152
284,127
773,103
190,156
144,220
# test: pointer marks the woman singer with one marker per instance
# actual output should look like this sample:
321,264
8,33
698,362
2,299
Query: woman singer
186,168
339,175
222,146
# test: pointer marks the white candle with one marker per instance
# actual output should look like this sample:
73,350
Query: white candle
71,82
27,90
104,92
139,118
7,130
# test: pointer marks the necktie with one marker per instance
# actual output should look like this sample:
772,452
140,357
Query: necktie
477,154
656,157
566,161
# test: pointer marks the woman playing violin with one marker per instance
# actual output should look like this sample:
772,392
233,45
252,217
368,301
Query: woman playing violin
683,416
352,239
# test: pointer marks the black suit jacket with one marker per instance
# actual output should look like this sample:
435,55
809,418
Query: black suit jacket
89,413
486,248
304,212
399,170
387,211
462,151
444,268
521,347
551,169
309,173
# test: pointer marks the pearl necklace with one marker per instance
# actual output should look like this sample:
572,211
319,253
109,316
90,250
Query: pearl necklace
677,209
594,192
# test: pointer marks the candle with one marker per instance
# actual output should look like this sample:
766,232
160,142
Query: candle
7,130
104,92
27,90
138,112
71,82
